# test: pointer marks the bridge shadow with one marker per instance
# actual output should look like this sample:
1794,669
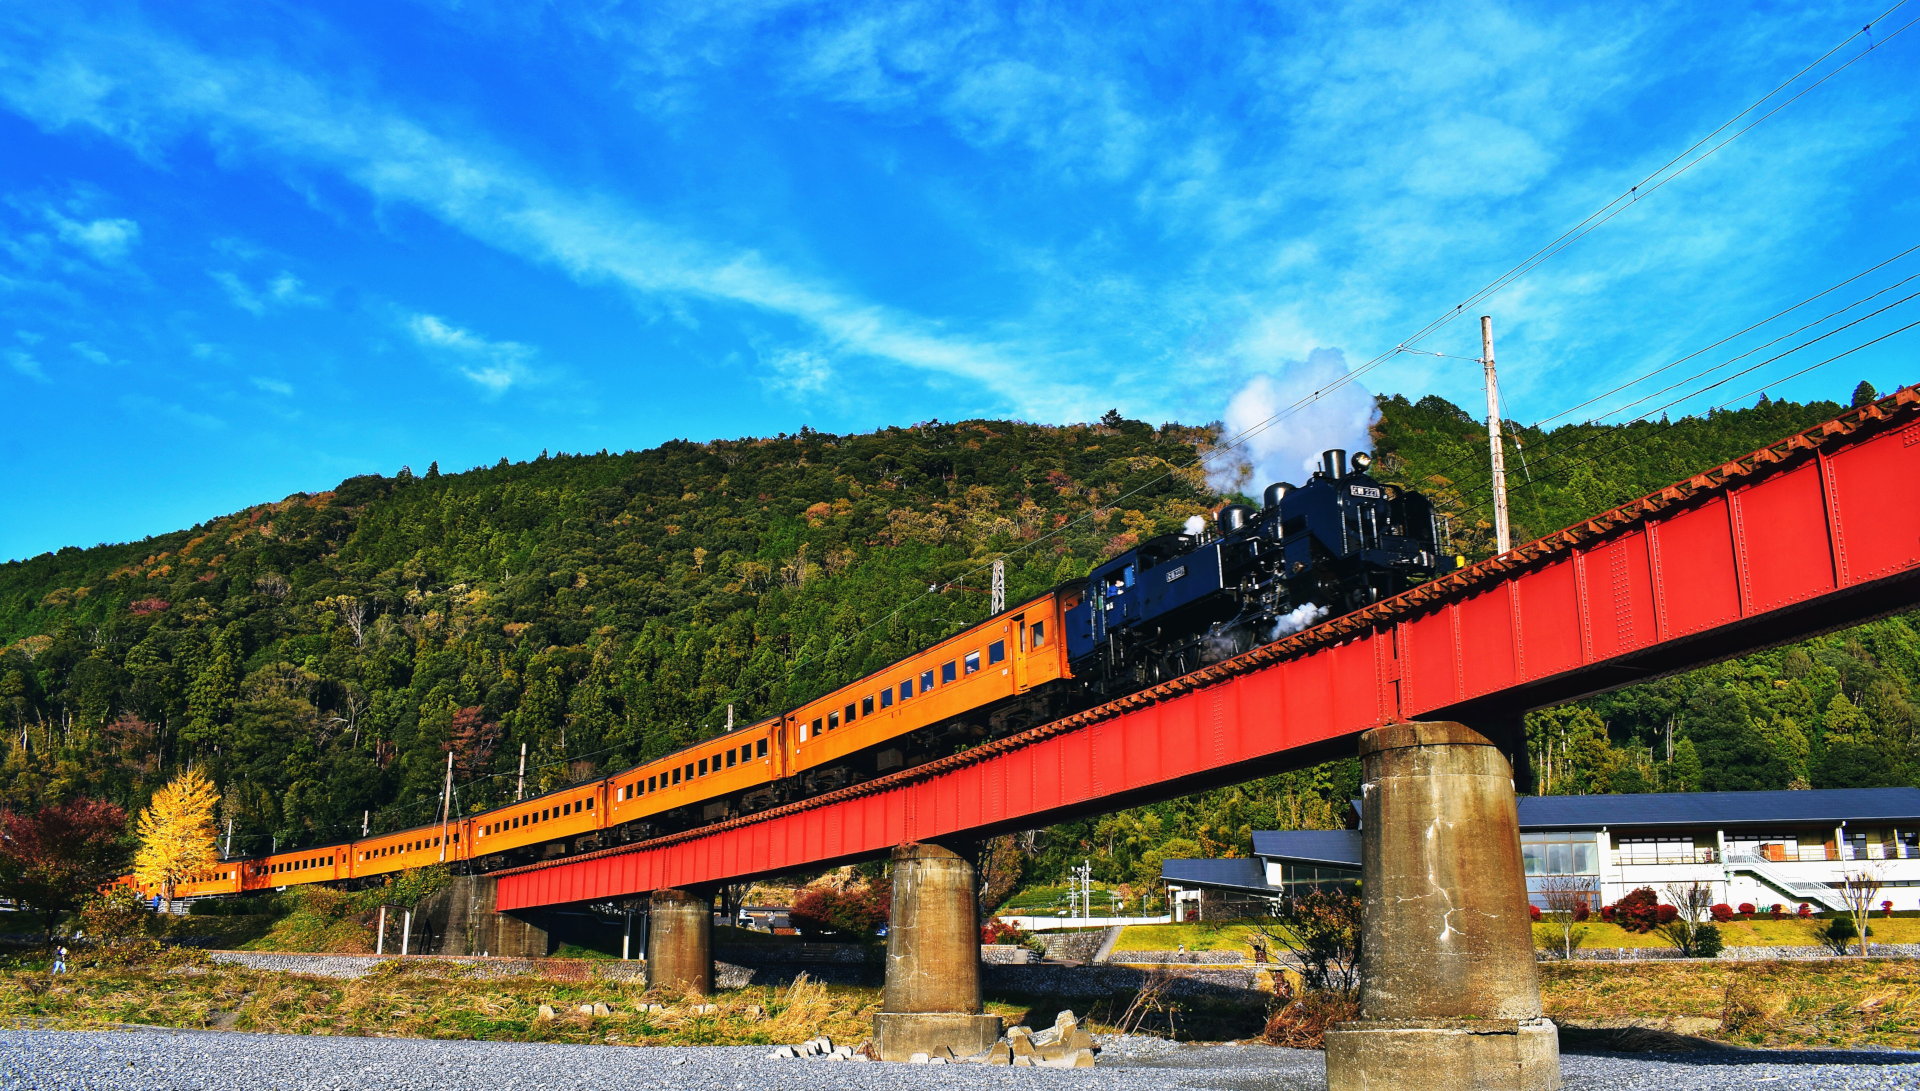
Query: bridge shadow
1671,1048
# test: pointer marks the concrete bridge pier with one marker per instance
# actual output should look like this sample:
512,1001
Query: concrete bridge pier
932,995
680,942
1449,989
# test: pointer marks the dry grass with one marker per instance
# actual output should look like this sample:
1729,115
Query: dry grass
1827,1003
1736,933
429,1000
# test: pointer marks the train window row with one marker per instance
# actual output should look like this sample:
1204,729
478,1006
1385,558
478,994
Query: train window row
410,846
726,759
949,671
300,865
578,806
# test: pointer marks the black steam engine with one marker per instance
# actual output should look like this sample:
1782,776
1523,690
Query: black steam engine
1180,601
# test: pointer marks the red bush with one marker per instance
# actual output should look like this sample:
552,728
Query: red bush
1722,912
1606,913
1776,911
1533,911
143,607
999,931
1668,914
1582,911
1887,908
851,911
1747,910
1805,912
1639,911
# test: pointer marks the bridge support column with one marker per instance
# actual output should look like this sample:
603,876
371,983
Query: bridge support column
680,942
932,996
1449,989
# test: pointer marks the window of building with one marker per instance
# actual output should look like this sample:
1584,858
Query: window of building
760,748
973,662
1039,633
1661,850
947,672
1560,853
926,681
997,651
886,697
866,706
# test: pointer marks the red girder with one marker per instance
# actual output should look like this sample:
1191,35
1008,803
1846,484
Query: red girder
1819,530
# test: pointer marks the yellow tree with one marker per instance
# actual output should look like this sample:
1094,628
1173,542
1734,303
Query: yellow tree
176,834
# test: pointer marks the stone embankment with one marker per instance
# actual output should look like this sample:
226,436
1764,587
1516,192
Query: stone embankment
1066,1044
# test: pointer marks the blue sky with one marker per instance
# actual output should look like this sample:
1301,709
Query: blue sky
247,250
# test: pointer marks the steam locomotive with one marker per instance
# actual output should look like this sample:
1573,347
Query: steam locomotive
1180,601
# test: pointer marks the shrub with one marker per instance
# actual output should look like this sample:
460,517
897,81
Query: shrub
1838,935
999,931
1776,911
1534,912
1887,908
1667,914
1639,911
1747,910
1722,912
848,911
1607,914
1805,912
1707,942
1581,912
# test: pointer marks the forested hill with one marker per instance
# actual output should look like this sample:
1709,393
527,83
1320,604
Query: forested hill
320,656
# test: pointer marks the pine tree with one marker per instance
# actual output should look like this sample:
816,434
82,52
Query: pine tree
177,836
1686,766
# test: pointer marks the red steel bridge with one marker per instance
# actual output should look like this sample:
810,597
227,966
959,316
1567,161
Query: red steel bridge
1818,531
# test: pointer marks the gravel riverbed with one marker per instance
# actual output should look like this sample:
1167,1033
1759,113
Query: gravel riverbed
161,1060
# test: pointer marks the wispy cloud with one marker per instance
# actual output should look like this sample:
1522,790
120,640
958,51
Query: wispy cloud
284,290
272,386
25,364
144,408
92,355
105,240
493,365
147,89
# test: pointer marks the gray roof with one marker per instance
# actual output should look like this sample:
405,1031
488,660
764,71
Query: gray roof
1828,807
1242,873
1335,848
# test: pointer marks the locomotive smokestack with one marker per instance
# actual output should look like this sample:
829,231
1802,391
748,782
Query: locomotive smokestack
1334,463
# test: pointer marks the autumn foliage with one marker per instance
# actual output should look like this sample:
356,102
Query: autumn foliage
56,856
176,834
843,911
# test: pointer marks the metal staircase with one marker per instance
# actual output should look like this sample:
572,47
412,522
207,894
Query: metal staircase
1818,893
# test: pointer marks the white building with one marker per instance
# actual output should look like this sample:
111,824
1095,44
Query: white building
1758,848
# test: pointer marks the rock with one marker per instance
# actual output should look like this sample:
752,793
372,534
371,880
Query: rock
602,1009
1073,1058
842,1052
919,1058
678,1060
754,1011
936,1060
943,1052
1021,1044
784,1053
1022,1061
1066,1019
546,1012
1001,1053
585,1009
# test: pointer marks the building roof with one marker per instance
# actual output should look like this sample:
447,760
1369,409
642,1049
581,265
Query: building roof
1828,807
1242,873
1334,848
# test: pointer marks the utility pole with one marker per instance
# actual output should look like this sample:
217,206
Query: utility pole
364,815
729,717
1502,537
999,587
520,792
227,850
446,807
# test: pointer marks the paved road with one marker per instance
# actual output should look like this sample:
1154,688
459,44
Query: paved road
205,1061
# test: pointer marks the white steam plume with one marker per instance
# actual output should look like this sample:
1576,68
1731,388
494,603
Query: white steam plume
1288,449
1300,618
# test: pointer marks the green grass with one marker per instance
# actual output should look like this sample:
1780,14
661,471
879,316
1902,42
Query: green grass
1735,933
1201,936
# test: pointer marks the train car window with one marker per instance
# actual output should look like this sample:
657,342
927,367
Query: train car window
760,748
456,836
997,651
886,697
947,672
651,785
926,681
833,721
1039,633
733,758
689,770
906,689
676,776
816,729
703,767
849,717
866,706
973,662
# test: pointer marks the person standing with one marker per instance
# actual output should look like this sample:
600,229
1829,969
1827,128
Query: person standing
60,959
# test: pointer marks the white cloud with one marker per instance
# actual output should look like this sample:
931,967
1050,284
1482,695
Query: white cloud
26,365
493,365
145,408
796,372
284,290
106,241
91,354
272,386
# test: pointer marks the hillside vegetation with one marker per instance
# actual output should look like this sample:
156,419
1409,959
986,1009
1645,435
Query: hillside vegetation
320,656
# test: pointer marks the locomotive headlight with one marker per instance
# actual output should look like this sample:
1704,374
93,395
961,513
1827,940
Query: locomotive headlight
1362,462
